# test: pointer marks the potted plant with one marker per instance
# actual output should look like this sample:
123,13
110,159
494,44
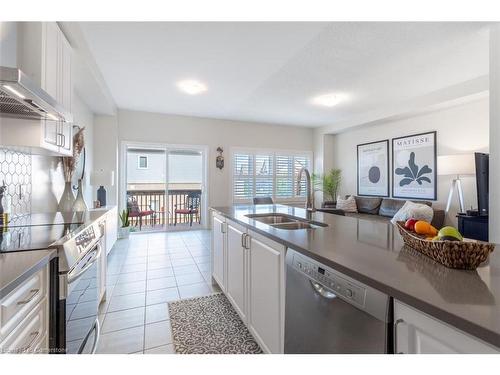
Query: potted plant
124,230
329,185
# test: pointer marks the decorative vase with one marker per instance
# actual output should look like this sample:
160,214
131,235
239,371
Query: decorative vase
123,232
67,198
79,205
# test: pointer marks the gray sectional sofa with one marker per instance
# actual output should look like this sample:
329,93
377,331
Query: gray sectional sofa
383,209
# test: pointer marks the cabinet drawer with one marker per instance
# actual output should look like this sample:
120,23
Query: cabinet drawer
15,306
30,335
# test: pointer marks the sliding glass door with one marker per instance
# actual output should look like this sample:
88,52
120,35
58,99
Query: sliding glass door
164,187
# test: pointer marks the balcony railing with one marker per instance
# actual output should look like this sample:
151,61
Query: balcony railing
154,208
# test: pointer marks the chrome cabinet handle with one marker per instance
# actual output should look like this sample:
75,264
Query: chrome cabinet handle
34,293
322,291
34,336
63,141
395,334
243,240
222,227
247,242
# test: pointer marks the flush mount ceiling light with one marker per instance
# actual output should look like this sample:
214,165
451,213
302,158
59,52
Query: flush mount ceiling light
191,86
327,100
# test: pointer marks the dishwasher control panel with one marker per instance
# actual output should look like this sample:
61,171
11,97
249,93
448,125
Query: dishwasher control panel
331,280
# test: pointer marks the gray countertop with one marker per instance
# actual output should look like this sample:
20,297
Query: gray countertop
373,253
15,268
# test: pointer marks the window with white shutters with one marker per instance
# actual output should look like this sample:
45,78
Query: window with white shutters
264,178
268,174
243,185
298,163
284,177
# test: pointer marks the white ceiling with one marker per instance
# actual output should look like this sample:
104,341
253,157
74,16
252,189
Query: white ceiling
268,72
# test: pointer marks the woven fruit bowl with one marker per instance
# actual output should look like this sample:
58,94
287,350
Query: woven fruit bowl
466,255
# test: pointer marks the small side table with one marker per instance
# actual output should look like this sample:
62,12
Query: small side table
475,227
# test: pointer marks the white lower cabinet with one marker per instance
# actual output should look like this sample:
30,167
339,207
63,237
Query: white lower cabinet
418,333
24,316
250,269
219,250
236,269
111,232
108,225
266,292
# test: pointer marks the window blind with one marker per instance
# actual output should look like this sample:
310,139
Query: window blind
243,186
264,176
267,175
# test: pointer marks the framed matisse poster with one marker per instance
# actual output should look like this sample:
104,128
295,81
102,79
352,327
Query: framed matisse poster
373,169
414,166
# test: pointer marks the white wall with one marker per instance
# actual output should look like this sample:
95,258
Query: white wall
161,128
460,129
494,207
105,140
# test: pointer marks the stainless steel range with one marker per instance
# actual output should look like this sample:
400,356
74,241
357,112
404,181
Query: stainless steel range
74,285
78,291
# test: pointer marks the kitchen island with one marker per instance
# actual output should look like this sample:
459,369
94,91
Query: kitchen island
373,253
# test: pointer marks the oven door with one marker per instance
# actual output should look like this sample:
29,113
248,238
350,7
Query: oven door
82,325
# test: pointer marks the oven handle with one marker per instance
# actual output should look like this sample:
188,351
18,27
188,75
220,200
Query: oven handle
322,291
97,328
89,264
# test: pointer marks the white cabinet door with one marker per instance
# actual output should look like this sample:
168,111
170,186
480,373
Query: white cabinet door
266,293
236,268
218,251
50,135
65,77
111,233
50,58
66,137
419,333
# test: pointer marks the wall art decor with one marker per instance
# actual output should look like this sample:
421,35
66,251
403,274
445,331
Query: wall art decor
219,160
373,169
414,166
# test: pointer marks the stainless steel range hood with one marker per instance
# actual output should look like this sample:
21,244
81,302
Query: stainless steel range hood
22,98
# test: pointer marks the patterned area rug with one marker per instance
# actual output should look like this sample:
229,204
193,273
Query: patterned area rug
209,325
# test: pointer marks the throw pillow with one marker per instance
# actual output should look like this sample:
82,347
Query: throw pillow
413,210
347,205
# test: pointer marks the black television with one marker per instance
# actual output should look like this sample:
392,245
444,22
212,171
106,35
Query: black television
482,182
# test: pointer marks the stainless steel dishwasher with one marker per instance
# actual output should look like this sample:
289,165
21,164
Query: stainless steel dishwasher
329,312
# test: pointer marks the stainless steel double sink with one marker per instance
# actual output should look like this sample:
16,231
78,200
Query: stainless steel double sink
284,221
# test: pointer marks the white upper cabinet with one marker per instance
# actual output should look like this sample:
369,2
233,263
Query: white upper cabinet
50,59
44,54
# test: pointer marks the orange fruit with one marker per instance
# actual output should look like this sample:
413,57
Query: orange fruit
433,231
422,227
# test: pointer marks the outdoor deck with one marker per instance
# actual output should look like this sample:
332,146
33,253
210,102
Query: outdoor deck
158,209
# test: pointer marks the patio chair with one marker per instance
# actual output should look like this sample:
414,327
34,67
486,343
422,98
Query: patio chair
191,207
136,212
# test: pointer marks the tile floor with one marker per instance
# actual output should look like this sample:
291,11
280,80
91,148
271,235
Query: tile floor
144,273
